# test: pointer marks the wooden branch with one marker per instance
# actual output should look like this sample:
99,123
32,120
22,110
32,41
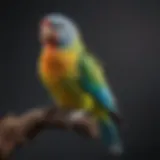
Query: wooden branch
17,130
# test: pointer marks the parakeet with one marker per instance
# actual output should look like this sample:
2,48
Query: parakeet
75,78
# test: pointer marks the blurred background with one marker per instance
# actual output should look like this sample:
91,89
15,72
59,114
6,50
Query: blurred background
124,34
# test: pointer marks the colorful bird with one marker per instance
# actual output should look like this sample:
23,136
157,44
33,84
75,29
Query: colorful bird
75,78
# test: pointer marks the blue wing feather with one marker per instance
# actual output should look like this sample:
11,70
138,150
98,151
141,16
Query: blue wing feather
91,84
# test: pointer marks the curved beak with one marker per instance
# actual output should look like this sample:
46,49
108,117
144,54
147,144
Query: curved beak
48,35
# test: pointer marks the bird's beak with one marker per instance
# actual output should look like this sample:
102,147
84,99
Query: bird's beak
48,35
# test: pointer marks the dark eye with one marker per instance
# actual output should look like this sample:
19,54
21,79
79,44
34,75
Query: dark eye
59,25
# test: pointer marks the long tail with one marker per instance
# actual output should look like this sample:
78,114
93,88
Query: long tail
111,137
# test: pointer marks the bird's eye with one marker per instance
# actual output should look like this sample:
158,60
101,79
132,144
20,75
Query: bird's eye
58,25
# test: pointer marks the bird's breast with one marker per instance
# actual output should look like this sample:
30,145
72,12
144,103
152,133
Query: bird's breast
54,68
55,65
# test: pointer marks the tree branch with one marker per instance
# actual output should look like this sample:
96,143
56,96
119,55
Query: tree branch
17,130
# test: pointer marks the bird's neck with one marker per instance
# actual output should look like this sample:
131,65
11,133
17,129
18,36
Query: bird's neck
77,47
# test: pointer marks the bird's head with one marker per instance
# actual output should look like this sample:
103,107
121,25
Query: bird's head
58,30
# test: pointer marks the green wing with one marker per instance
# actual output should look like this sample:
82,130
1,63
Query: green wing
92,80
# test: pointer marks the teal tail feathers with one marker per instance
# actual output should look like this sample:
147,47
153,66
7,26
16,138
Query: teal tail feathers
111,137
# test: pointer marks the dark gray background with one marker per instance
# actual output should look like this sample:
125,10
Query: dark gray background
125,35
